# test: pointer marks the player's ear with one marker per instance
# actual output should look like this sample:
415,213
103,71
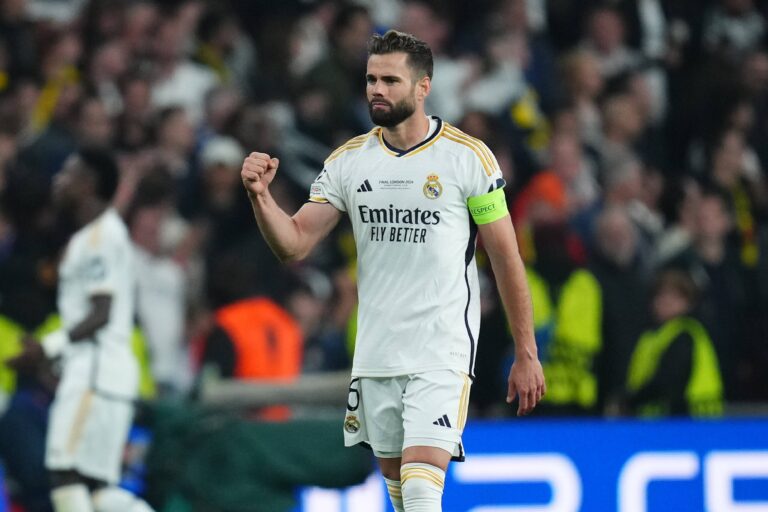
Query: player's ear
423,87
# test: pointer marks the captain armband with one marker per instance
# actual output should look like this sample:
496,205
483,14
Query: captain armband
488,207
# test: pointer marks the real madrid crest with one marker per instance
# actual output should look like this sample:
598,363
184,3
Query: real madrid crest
432,188
351,424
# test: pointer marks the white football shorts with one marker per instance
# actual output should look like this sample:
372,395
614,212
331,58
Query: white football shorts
393,413
87,433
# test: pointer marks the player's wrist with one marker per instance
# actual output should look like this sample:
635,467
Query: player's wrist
526,353
259,197
53,344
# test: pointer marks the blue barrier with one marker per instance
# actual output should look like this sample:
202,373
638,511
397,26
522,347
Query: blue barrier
593,465
3,499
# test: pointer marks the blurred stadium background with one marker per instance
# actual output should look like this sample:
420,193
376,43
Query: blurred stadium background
633,135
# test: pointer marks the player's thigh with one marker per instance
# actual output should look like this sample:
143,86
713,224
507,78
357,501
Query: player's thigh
88,435
375,415
435,410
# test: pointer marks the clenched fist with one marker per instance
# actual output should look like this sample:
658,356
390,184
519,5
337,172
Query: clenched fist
258,172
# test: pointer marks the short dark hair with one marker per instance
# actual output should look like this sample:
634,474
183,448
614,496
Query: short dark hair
103,167
419,53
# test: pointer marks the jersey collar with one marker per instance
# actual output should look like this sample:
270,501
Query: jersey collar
413,149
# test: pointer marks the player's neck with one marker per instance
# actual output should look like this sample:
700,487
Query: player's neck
408,133
90,210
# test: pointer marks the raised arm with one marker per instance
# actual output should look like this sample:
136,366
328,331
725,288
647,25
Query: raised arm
291,238
526,377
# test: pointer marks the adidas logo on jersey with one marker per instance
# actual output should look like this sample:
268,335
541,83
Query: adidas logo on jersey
365,187
443,422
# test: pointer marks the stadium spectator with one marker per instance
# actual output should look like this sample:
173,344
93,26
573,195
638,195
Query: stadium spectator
253,337
674,368
713,262
178,80
614,265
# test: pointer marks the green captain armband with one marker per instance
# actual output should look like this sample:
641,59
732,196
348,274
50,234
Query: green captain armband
488,207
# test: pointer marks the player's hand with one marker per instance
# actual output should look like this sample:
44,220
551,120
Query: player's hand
29,359
526,380
258,172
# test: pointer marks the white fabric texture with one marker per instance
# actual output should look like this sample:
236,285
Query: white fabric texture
71,498
419,307
422,486
395,494
115,499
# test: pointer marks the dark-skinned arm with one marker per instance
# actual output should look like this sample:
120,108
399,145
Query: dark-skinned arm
52,345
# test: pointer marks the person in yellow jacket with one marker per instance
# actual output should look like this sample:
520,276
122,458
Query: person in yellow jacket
674,369
567,316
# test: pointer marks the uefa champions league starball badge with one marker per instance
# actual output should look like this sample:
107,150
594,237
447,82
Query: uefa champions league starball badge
432,188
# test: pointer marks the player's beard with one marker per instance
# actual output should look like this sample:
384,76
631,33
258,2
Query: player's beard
396,114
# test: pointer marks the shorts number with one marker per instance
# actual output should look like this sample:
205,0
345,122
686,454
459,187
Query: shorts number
353,391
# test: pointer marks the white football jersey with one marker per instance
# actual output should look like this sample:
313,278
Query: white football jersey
99,259
419,298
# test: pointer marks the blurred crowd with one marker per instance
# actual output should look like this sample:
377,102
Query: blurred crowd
633,135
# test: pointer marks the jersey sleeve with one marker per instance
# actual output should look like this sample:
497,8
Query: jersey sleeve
101,267
484,175
327,188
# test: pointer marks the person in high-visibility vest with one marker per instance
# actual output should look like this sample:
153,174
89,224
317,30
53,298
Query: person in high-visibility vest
674,369
567,317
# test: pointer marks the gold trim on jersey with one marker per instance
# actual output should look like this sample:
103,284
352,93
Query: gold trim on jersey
94,237
383,144
317,199
434,136
463,404
79,422
479,143
476,145
353,143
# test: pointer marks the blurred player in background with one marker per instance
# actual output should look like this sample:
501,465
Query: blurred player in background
93,409
417,191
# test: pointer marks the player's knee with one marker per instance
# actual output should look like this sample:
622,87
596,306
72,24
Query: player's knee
422,487
390,468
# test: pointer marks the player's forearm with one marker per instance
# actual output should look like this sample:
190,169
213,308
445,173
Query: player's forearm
97,318
516,298
278,228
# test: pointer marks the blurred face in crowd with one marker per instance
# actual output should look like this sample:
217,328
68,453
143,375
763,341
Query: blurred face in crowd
713,221
419,19
755,73
728,160
177,132
353,39
606,30
169,42
588,78
110,60
94,125
616,237
582,75
668,303
136,97
393,92
623,118
222,182
565,157
140,18
146,226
